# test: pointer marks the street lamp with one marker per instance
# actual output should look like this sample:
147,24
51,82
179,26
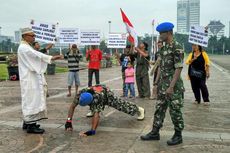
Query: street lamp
109,26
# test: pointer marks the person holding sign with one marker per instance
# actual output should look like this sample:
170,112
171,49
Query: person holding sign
142,68
198,72
97,97
94,57
32,66
73,57
170,86
37,46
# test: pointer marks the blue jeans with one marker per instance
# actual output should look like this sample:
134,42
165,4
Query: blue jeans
129,86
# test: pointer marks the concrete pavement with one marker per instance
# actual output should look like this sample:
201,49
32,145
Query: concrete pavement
207,129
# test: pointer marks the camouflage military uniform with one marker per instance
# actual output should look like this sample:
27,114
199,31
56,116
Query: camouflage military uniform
172,56
106,97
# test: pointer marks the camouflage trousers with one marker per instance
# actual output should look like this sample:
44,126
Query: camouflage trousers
175,112
122,105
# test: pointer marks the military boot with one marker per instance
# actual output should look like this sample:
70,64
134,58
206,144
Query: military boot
176,139
152,135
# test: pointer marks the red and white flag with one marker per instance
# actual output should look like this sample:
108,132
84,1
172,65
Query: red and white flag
130,30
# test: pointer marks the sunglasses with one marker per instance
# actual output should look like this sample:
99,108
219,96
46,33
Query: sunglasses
31,35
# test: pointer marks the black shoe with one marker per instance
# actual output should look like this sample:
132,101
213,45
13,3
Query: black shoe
176,139
151,136
24,126
31,128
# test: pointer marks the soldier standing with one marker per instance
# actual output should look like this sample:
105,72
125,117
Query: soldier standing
169,85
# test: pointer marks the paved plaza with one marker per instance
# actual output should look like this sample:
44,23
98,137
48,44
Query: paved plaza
207,128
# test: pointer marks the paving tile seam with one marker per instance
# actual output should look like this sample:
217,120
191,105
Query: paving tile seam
201,135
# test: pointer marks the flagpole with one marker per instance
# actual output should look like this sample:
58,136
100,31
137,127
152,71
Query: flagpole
60,52
153,45
110,50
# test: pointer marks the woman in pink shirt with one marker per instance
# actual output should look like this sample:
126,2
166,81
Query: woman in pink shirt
129,81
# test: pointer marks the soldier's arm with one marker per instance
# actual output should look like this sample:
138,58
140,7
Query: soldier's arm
95,122
68,124
176,76
158,77
141,52
178,64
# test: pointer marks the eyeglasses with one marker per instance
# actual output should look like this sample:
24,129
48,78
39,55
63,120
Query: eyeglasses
31,35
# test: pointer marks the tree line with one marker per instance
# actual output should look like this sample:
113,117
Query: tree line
215,46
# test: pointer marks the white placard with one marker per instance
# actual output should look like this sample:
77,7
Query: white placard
117,40
198,36
90,37
68,35
45,32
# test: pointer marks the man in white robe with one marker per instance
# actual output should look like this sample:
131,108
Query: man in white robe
32,66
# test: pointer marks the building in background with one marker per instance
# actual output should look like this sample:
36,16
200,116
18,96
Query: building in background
6,38
216,28
188,13
18,36
229,30
182,16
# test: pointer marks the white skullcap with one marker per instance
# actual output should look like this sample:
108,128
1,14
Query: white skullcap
26,30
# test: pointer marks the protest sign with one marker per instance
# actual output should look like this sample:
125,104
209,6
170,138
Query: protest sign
45,32
117,40
198,35
90,37
68,35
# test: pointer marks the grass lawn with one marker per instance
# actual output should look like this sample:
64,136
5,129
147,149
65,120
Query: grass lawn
61,69
3,72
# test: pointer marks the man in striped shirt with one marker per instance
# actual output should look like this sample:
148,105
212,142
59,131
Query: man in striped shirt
73,57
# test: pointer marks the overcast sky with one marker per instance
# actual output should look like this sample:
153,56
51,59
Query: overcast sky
95,14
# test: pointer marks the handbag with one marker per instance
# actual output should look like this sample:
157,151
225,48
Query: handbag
196,73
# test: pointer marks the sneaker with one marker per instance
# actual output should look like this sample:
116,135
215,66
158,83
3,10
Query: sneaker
90,114
141,114
195,102
206,103
132,98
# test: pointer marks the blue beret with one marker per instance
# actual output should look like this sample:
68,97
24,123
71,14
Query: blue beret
85,99
164,27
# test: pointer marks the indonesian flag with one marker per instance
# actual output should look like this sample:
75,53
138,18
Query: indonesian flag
130,29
